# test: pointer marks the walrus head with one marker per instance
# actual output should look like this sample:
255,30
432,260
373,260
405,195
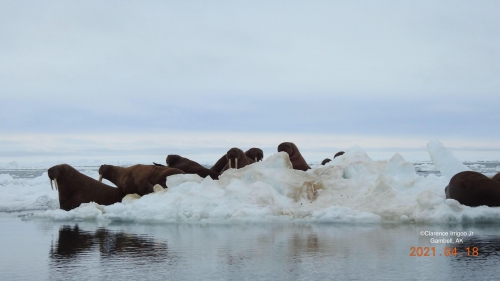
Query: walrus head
172,159
255,153
233,153
56,172
286,147
105,171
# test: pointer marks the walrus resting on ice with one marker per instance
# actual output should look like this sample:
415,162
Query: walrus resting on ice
338,154
473,189
189,166
298,162
76,188
325,161
254,153
236,159
220,164
139,178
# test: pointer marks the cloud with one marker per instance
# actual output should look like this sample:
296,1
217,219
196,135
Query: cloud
383,68
347,115
115,49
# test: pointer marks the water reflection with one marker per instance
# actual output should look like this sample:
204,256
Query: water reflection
71,243
271,252
476,265
94,254
74,242
487,247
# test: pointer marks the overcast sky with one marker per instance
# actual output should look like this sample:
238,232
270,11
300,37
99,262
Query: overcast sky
372,73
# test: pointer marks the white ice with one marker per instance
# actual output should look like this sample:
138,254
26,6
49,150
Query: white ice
352,188
444,160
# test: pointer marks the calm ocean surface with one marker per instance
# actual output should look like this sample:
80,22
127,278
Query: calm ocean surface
48,250
80,250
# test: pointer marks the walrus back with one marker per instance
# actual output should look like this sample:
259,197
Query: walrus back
326,160
473,189
496,177
220,164
189,166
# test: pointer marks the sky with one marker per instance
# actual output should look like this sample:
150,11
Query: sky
117,78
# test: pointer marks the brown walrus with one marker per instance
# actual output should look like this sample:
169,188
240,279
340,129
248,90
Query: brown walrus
189,166
334,156
76,188
236,159
325,161
338,154
496,177
220,164
253,155
138,178
298,162
473,189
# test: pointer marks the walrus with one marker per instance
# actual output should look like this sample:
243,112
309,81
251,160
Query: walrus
189,166
338,154
138,178
75,188
254,153
473,189
236,159
220,164
298,162
334,156
496,177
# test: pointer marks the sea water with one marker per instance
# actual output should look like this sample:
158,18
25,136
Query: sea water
51,250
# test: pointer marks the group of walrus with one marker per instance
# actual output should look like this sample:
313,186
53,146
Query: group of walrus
74,188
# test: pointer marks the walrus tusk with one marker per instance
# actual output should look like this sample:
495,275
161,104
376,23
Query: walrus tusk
100,178
229,163
255,158
55,181
236,163
51,186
